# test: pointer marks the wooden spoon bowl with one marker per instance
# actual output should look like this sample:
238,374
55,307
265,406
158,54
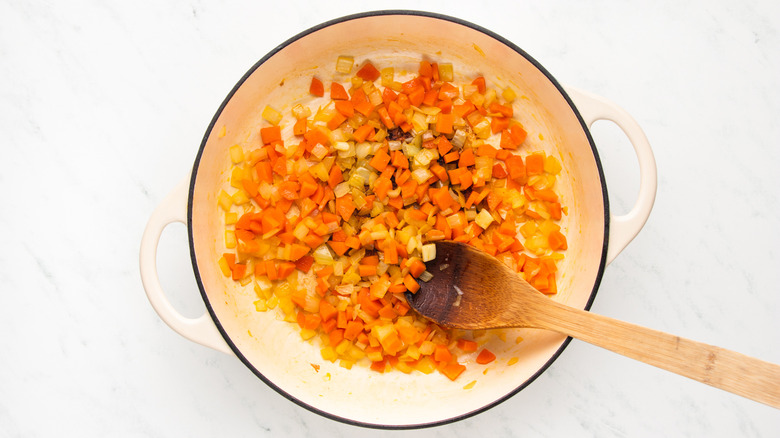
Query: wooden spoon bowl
472,290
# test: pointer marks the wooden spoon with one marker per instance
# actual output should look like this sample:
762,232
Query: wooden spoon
472,290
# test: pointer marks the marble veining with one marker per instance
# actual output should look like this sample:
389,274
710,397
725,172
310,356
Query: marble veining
102,108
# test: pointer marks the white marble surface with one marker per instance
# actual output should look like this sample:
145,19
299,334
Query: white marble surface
102,108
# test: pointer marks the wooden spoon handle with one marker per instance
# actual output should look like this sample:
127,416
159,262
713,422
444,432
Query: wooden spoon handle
728,370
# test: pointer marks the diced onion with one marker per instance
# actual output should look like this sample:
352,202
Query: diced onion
301,231
322,255
459,139
484,219
421,175
341,189
362,150
410,150
419,121
271,115
482,129
425,156
428,252
344,64
446,73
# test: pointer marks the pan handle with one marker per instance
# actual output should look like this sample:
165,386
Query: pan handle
202,329
623,228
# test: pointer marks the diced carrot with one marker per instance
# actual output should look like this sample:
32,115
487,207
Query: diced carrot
480,83
430,98
368,72
442,354
466,179
399,160
352,242
308,185
555,210
517,133
284,269
416,268
411,284
366,270
336,336
297,251
388,95
372,260
380,160
546,195
381,187
327,310
362,105
416,96
464,109
466,158
486,150
506,141
408,189
379,366
270,270
304,263
515,167
264,172
363,132
467,346
444,123
270,134
316,136
443,145
534,164
452,156
415,214
439,171
316,88
499,172
504,110
345,207
238,270
311,321
485,356
289,190
425,69
397,202
337,92
300,126
390,252
499,124
353,329
328,326
336,120
453,370
339,248
335,176
557,241
280,166
286,238
385,117
345,107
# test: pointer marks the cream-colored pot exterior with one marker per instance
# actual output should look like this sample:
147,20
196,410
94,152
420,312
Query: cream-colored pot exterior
557,123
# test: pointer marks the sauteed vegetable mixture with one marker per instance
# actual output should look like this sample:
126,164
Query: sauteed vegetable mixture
334,222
